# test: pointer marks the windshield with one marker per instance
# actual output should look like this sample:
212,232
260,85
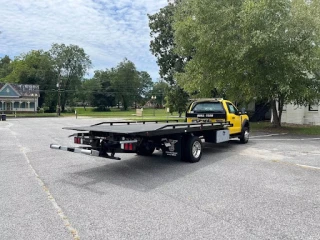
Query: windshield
208,107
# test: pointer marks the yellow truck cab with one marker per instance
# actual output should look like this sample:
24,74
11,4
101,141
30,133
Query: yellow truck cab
220,110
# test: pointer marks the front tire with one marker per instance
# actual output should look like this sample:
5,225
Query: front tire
244,138
193,150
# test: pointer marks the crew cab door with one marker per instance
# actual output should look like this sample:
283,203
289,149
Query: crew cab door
233,117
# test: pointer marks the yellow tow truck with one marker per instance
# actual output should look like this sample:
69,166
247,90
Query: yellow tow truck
220,110
212,120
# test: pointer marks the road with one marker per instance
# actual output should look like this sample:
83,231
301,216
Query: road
266,189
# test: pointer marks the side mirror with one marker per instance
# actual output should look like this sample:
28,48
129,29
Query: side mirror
241,112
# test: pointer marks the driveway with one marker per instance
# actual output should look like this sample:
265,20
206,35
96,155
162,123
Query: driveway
266,189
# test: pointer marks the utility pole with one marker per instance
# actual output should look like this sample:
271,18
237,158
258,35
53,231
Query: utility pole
154,104
59,95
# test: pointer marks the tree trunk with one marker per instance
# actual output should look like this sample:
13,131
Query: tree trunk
280,107
124,103
275,117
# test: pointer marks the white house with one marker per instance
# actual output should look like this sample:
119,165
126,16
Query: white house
301,114
18,97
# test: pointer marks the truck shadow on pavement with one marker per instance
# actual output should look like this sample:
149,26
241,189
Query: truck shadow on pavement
146,173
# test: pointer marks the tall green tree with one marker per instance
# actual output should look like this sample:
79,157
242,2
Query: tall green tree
251,49
103,94
145,82
177,100
145,86
85,92
162,43
35,67
160,90
122,84
169,61
71,64
5,67
125,82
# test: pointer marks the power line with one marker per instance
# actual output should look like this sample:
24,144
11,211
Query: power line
101,91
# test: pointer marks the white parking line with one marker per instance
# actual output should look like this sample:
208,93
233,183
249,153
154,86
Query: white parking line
306,166
62,215
269,135
286,139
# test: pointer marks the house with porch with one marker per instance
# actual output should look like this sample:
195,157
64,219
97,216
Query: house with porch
18,97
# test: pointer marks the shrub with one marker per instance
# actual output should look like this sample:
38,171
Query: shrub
49,109
69,110
102,108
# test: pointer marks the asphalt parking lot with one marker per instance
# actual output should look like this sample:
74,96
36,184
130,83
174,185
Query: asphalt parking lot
266,189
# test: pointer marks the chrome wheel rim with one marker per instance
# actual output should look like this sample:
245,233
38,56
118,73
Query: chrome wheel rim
246,135
196,149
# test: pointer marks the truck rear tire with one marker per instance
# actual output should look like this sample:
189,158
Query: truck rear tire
145,151
244,138
193,150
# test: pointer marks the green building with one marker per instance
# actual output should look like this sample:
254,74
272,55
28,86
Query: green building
18,97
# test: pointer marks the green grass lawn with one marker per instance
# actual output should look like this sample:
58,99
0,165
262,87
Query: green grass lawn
285,128
148,113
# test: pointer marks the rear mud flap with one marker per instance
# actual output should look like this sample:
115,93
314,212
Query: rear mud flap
173,147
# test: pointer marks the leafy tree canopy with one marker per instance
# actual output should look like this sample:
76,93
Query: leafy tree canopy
176,100
125,81
99,90
34,67
160,90
250,49
70,63
5,67
162,45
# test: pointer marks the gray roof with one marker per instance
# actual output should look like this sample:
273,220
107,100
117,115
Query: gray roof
24,90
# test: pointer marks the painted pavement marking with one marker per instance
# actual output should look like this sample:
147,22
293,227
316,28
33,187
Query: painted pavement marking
50,197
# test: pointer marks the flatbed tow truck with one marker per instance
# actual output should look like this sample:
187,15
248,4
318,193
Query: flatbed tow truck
180,140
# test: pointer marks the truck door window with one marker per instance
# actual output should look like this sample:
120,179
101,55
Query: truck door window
231,108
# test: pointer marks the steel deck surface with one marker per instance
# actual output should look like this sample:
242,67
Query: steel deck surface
134,128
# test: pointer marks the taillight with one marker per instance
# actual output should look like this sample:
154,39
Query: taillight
128,146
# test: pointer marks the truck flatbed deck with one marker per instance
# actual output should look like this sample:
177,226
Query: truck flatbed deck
181,140
148,129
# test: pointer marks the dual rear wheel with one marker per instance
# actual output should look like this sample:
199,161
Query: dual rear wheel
146,148
192,150
145,151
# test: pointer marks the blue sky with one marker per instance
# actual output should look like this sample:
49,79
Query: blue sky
108,30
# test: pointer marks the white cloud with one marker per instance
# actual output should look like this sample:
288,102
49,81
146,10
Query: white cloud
108,30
